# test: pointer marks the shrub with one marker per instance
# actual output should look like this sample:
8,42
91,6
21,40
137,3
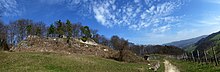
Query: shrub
84,39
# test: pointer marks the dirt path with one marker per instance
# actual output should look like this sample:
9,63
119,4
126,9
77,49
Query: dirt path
169,67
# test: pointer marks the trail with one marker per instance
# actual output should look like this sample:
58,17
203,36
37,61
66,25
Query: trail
169,67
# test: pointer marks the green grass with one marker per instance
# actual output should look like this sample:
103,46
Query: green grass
216,37
186,66
190,48
52,62
159,58
162,67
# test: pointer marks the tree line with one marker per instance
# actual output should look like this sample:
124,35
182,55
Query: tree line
20,29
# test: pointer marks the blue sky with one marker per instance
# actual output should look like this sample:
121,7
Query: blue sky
139,21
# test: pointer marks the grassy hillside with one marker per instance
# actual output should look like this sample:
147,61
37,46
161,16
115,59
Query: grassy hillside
216,37
190,48
213,40
209,41
184,66
52,62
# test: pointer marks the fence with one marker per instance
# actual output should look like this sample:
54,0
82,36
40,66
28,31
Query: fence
202,57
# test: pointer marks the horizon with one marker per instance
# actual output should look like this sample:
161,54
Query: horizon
139,21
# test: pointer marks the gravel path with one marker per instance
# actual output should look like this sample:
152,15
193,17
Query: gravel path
169,67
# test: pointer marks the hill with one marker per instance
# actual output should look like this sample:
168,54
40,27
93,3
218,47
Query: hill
205,44
60,45
75,46
143,50
164,50
185,43
57,62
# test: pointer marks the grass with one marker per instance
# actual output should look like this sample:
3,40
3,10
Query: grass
52,62
191,48
162,68
186,66
216,37
159,58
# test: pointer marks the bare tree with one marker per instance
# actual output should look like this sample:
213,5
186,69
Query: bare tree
3,37
76,30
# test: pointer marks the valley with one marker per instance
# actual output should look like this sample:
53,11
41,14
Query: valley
109,35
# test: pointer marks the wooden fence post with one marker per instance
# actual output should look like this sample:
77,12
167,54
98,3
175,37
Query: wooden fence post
193,57
206,60
184,57
213,51
198,56
187,58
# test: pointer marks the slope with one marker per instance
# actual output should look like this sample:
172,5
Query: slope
205,44
60,45
186,43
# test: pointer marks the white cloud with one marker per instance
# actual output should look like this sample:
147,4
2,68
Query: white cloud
139,16
136,14
136,1
133,27
113,7
162,29
99,15
9,8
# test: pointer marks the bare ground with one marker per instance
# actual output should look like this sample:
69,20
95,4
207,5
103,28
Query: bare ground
169,67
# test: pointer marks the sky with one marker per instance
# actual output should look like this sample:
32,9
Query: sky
138,21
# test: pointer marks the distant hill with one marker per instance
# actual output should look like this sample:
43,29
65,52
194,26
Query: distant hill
157,49
165,50
185,43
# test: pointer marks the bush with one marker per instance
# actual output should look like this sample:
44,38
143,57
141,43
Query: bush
3,45
128,56
84,39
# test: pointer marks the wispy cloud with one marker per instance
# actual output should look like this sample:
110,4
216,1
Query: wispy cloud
156,15
213,1
9,8
212,20
162,29
52,1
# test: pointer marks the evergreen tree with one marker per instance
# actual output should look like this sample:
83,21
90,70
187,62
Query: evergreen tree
69,28
86,31
29,29
69,31
60,28
51,30
38,31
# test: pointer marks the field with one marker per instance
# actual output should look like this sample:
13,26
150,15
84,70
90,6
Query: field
53,62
